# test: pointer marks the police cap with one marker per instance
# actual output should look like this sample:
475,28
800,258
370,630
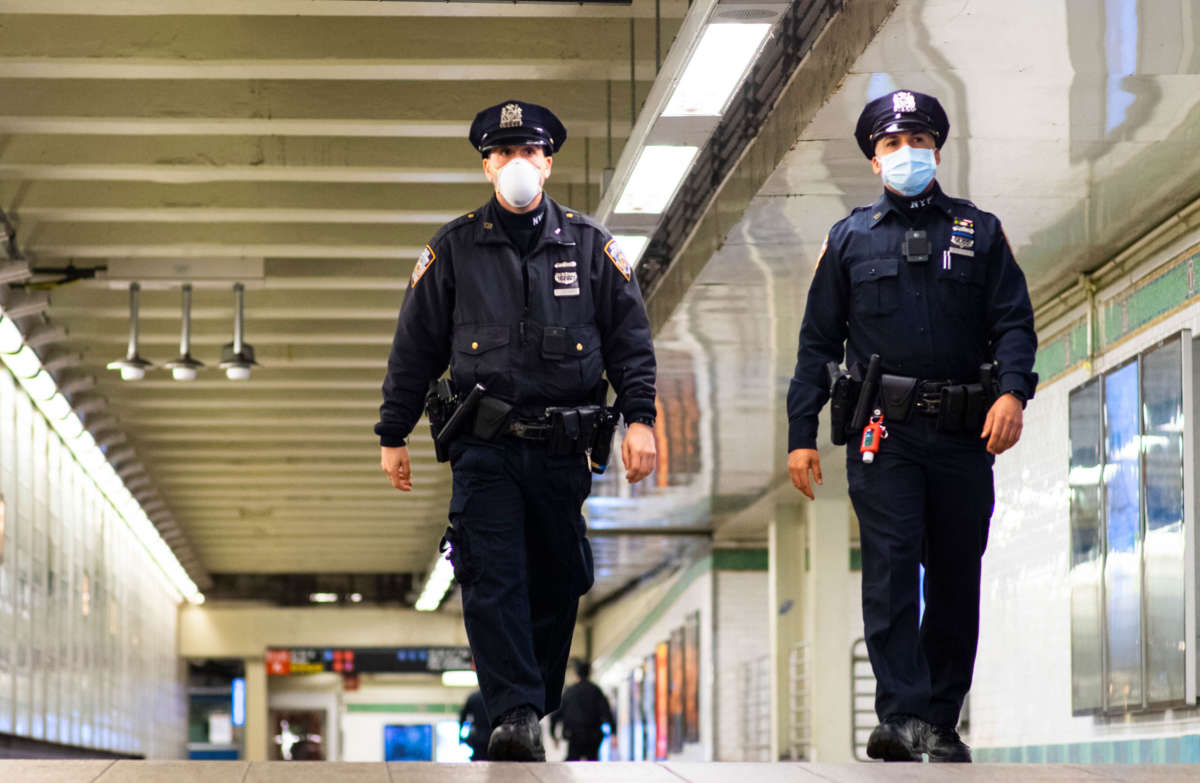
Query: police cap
516,122
902,110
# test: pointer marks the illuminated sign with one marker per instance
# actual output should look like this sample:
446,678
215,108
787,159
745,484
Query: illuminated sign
367,660
239,702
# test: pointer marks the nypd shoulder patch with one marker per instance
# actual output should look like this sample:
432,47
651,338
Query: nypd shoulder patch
423,264
617,256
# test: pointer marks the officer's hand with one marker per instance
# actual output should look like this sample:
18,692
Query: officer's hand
800,462
1002,427
638,452
394,462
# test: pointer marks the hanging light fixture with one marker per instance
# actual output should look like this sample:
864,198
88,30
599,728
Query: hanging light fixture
132,367
184,368
237,357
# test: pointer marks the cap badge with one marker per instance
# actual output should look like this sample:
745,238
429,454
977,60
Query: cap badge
510,116
904,102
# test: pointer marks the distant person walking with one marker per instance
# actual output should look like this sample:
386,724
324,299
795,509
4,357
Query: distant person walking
583,713
473,720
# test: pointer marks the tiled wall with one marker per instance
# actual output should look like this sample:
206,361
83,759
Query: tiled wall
1019,708
87,621
742,635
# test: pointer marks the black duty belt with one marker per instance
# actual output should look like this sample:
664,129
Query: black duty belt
530,429
929,396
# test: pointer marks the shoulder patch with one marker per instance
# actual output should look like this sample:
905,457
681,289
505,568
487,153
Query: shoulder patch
423,263
617,256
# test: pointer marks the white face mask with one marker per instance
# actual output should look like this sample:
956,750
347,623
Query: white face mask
519,182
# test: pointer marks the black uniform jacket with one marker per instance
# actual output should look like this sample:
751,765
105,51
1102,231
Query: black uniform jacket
535,331
935,320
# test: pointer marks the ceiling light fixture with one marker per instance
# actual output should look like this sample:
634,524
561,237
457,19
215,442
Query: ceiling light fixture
632,245
184,368
655,178
437,585
237,357
715,69
132,367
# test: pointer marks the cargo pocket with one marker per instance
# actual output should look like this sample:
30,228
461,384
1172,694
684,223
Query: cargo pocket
458,542
583,574
876,286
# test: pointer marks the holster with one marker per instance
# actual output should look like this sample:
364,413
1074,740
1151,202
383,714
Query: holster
571,429
844,389
491,417
440,403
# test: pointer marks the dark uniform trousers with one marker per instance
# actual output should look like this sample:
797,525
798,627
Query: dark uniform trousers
926,499
522,559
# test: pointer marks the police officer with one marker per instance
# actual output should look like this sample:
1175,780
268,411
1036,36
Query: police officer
584,712
929,284
533,301
473,728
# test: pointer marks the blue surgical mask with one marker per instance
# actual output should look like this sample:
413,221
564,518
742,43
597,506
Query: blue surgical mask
908,170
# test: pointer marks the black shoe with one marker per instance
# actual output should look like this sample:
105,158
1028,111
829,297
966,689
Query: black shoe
518,737
898,738
944,745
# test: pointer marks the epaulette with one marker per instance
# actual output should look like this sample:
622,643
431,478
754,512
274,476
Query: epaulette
578,217
458,222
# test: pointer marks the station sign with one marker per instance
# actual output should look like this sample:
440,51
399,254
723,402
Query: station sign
285,661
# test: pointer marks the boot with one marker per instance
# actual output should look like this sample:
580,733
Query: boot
517,737
898,738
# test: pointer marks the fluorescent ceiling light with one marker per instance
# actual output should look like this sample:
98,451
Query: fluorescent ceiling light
632,245
460,678
655,178
715,69
41,387
11,338
56,407
322,598
436,586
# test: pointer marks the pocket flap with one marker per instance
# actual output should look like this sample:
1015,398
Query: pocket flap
874,269
475,340
582,340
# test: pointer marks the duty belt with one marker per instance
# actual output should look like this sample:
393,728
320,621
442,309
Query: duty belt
929,396
530,429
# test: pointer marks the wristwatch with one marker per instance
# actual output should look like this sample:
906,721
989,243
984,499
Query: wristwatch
647,420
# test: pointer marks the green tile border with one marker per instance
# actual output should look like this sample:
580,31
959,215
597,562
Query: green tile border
1160,750
1145,301
693,572
437,709
741,559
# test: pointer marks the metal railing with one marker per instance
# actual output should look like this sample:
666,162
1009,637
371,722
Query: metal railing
800,702
754,680
862,699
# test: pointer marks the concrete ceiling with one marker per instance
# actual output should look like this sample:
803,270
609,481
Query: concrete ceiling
308,149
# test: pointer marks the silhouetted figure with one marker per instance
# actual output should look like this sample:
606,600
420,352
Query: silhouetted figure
583,713
474,720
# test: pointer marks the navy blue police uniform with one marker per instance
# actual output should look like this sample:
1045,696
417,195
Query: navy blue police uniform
928,497
536,329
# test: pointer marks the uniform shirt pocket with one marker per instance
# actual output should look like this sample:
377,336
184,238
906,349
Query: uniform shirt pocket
479,355
961,287
875,285
572,362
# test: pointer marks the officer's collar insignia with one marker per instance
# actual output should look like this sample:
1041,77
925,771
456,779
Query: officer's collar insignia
510,115
904,102
920,203
876,216
617,256
487,225
423,264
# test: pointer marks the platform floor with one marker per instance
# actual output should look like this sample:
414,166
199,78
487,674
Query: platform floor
37,771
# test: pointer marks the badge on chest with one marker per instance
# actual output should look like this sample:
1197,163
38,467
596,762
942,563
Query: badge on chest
566,278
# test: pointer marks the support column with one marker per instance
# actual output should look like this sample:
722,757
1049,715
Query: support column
786,606
834,618
256,710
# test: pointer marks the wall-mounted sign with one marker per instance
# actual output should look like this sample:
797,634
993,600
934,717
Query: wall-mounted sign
366,660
